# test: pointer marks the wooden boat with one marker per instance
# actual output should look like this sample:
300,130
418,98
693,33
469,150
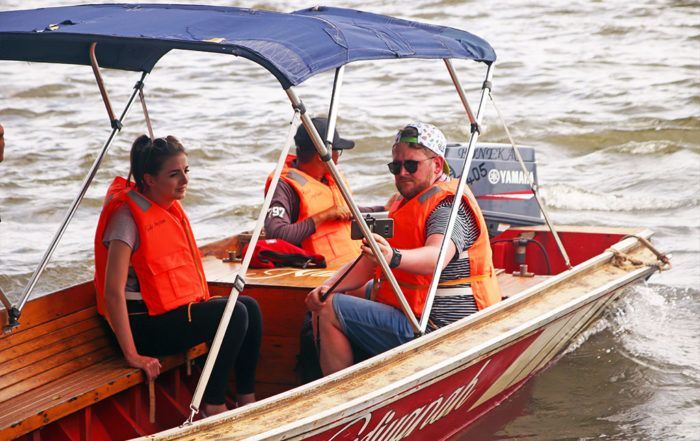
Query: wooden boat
72,382
61,373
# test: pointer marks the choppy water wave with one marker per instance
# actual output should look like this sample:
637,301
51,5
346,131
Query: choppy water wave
645,322
570,197
576,135
45,91
646,325
651,352
662,147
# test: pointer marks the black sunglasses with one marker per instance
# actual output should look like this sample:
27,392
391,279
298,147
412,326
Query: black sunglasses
410,165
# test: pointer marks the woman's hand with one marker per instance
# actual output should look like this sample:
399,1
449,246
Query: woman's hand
384,247
313,299
151,366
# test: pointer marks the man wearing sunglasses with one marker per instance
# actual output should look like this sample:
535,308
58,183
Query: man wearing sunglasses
467,283
307,208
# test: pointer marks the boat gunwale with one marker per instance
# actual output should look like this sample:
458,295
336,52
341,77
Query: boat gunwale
438,370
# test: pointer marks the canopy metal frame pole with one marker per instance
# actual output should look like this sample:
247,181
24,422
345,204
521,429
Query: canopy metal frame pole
326,157
474,121
333,106
460,92
116,127
146,116
533,186
116,124
239,283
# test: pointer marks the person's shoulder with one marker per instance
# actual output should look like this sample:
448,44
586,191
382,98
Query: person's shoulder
122,214
286,192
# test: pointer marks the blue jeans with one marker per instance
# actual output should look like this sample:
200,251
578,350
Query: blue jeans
372,326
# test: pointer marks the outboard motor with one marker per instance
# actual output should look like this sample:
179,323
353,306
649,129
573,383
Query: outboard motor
499,184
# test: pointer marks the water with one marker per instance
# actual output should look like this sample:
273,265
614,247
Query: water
608,92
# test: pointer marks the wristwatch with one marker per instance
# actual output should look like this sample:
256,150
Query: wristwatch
395,258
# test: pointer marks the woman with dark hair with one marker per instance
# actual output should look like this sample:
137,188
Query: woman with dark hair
150,282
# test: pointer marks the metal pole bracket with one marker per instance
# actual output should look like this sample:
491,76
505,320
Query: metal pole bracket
12,320
299,107
239,283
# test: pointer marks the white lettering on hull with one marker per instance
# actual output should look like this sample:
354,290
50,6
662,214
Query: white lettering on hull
390,429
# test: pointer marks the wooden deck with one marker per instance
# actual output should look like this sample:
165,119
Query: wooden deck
224,273
61,360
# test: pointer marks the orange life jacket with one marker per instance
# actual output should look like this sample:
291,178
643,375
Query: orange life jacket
167,262
409,232
331,239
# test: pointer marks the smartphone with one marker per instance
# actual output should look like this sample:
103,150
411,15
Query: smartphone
383,227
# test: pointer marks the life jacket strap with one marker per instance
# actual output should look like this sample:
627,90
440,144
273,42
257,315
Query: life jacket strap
452,292
464,280
444,284
133,295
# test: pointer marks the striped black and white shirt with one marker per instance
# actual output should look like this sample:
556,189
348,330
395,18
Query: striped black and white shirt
448,309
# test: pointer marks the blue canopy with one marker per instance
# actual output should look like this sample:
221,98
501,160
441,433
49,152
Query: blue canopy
293,47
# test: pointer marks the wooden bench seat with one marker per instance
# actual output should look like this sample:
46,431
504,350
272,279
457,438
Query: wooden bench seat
62,359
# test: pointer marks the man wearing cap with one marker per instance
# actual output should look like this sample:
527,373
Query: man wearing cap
308,209
467,283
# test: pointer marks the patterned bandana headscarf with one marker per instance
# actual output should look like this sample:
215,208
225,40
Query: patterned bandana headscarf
429,137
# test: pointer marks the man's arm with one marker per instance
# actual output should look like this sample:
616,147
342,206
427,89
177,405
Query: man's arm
281,221
282,217
420,260
423,260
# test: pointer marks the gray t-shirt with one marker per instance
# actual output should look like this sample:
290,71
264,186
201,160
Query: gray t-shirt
122,227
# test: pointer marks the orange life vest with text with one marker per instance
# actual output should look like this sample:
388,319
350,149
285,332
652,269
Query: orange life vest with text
331,239
167,262
410,218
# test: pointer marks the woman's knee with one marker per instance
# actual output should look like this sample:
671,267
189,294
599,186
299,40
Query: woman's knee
251,305
239,319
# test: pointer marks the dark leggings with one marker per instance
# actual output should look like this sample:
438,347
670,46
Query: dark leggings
172,333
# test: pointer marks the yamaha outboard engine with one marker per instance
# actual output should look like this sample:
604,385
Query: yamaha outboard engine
499,183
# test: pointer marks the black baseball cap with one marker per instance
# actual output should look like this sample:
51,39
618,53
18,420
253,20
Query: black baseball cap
304,143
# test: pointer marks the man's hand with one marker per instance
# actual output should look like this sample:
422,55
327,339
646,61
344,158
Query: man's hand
340,213
313,299
151,366
384,247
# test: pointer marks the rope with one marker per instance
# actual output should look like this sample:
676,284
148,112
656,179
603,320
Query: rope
624,260
533,185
